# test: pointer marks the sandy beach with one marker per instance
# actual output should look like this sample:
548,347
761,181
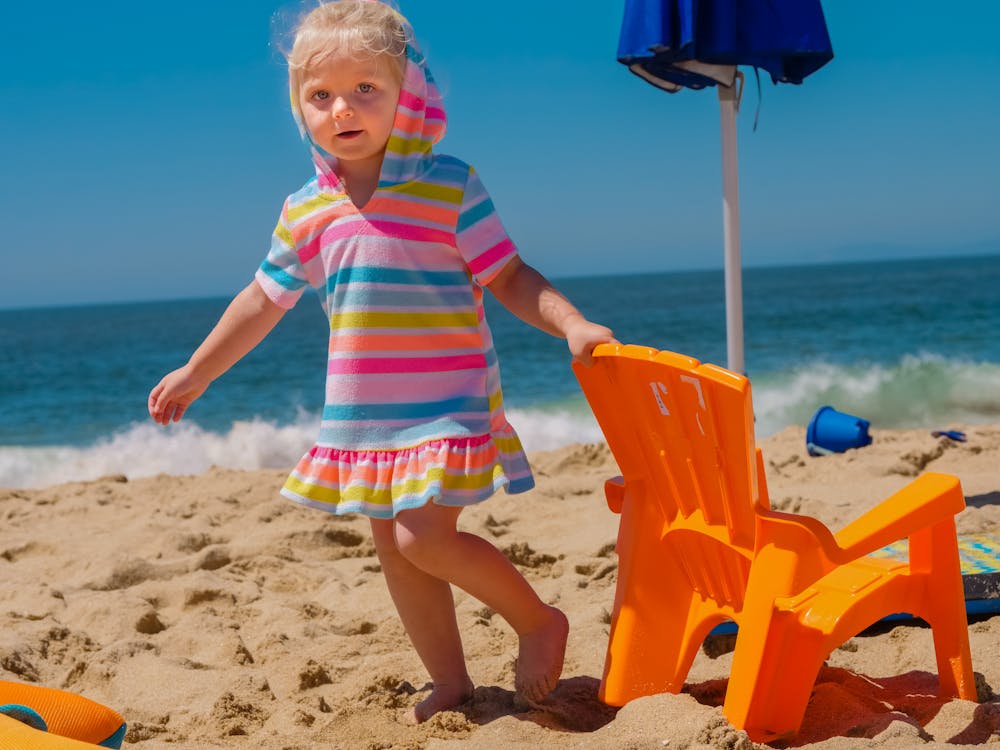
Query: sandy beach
212,613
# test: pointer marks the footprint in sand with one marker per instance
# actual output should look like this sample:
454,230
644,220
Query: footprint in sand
236,716
593,572
313,675
354,627
17,663
387,692
201,595
912,463
608,550
213,558
131,572
495,527
149,623
331,543
194,542
522,555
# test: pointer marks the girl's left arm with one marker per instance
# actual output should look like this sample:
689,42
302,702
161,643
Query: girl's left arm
530,296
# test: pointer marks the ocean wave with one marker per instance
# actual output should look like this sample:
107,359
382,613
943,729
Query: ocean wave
145,449
919,391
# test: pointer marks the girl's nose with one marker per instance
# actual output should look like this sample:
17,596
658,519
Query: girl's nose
340,107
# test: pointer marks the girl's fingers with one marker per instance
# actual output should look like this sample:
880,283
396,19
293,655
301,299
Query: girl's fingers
154,396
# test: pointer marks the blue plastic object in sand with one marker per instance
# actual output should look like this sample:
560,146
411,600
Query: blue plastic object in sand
956,435
831,431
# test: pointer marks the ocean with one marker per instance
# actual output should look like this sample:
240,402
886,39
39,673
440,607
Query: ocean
904,344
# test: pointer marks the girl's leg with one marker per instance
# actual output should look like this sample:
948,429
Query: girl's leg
427,610
429,539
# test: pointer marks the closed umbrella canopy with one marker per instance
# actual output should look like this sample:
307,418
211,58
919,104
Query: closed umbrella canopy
675,44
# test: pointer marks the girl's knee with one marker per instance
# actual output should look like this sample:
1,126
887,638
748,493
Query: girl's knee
421,534
419,545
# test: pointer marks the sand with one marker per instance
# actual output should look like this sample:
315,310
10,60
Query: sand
212,613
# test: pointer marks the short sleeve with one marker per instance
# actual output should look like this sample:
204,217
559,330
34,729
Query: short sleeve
281,275
481,239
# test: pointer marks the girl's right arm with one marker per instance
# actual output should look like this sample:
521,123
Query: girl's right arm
247,320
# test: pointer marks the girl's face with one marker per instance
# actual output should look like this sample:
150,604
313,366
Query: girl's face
349,106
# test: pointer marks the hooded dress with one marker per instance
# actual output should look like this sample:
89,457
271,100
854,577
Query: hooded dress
413,408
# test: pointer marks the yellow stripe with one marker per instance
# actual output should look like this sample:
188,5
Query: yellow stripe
386,495
403,320
496,398
304,209
508,445
399,145
284,234
441,193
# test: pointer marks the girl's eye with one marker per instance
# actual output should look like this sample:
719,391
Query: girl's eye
321,95
365,88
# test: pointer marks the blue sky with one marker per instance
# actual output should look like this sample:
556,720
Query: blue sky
146,148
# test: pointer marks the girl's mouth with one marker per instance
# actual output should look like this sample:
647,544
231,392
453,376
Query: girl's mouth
348,134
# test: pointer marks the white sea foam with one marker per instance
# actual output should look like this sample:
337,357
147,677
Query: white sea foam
922,390
145,449
919,391
545,430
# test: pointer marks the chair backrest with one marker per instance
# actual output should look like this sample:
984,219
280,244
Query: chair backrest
683,432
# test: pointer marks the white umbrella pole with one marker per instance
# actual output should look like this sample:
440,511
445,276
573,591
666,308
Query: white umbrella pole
728,106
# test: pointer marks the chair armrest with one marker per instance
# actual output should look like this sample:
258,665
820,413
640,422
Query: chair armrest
614,493
928,499
793,551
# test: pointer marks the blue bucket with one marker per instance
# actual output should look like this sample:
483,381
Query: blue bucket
831,431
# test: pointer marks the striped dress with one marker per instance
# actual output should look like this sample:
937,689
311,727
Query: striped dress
413,410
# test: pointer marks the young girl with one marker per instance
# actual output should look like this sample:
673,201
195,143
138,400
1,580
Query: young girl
399,242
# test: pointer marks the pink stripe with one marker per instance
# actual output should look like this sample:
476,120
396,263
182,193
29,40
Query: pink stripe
434,113
411,101
374,365
413,232
381,228
453,444
406,388
491,256
311,249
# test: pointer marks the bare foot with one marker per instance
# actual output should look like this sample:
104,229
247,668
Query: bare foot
443,697
540,657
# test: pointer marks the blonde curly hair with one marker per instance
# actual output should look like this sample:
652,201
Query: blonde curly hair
363,29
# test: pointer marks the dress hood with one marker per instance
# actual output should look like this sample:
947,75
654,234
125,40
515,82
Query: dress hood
420,122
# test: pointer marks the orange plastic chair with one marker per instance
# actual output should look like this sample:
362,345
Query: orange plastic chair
699,545
71,721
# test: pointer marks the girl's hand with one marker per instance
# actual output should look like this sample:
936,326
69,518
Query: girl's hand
244,324
582,336
174,394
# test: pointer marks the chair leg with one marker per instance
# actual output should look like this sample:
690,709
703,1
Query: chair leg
773,675
934,557
650,613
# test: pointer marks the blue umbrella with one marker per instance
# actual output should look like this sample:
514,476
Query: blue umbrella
675,44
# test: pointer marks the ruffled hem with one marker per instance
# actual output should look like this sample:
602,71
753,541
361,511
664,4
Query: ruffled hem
380,484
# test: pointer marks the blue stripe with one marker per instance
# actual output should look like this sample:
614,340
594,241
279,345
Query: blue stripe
376,275
477,213
403,412
282,277
450,172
